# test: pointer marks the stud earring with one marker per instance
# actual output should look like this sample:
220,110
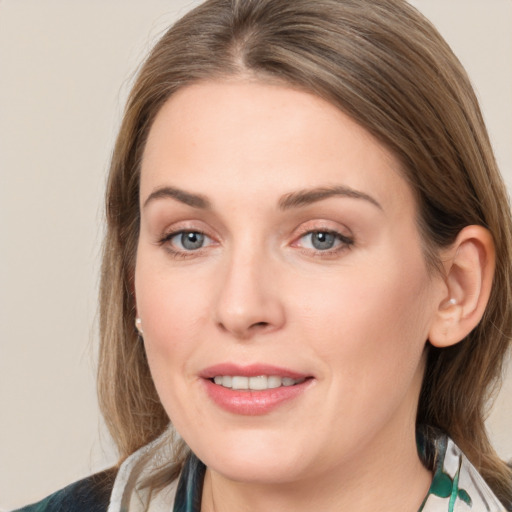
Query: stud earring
447,304
138,325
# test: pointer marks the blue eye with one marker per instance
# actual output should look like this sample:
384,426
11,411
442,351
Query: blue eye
189,240
324,240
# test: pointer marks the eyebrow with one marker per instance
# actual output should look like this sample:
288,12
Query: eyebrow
288,201
309,196
193,200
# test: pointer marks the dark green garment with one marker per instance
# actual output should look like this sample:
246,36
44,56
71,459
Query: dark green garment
92,494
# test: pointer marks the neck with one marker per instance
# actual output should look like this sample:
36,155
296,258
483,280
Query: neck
375,480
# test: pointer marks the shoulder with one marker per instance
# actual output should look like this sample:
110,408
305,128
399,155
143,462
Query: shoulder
92,494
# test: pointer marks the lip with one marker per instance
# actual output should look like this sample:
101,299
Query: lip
251,370
252,403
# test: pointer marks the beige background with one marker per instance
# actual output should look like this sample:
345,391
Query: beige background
65,69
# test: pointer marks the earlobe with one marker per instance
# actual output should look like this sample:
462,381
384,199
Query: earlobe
138,325
469,271
138,321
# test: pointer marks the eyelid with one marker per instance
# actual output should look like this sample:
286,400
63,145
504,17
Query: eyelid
340,236
181,226
177,231
345,241
169,236
165,237
322,225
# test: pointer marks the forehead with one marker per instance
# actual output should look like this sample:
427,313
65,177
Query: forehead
266,138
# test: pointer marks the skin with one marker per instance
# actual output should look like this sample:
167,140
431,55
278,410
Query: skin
354,318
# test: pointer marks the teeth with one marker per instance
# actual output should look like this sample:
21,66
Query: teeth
274,381
259,383
225,381
239,382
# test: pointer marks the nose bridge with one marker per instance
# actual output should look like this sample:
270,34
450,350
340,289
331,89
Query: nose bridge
248,300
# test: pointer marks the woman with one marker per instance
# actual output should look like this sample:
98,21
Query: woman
306,270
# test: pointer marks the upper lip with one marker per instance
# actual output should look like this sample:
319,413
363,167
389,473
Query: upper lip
250,370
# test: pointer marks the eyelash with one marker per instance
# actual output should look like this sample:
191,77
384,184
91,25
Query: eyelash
181,253
344,243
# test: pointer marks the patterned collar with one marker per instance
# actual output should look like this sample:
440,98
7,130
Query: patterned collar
456,485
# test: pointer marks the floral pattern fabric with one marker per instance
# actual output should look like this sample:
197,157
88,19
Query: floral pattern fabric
456,484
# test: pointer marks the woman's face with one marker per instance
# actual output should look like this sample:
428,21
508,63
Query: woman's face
279,251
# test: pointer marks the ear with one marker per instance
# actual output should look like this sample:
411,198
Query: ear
469,271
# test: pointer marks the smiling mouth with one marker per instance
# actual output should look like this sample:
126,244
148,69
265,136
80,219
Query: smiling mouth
253,390
256,383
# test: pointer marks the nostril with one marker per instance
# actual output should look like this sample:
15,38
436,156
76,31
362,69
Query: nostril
260,324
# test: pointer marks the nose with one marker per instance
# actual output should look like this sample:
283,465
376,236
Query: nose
249,301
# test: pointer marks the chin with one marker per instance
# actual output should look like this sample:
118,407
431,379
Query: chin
253,458
260,471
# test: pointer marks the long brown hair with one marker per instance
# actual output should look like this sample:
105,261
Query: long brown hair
385,65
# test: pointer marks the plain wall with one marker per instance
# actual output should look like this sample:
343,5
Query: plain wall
65,69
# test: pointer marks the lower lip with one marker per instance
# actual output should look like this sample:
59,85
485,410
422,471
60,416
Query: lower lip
253,403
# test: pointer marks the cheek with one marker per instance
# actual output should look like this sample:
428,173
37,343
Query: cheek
172,334
174,311
352,303
371,327
168,300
